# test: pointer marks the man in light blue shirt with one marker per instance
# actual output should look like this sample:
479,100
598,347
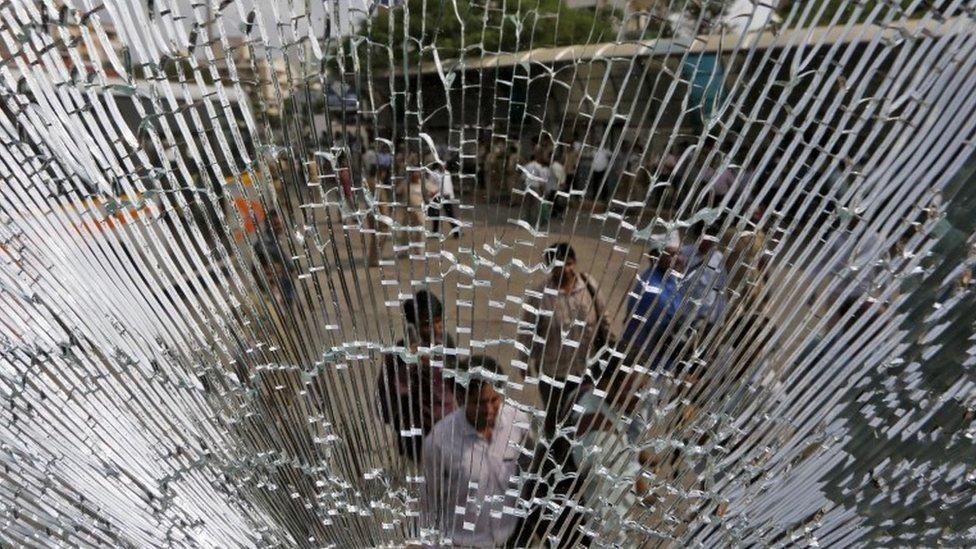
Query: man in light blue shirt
663,301
470,462
705,281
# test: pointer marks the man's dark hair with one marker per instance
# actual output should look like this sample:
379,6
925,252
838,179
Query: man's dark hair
697,229
561,251
423,307
474,373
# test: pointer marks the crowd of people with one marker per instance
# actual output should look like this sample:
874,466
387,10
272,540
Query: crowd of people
497,474
540,177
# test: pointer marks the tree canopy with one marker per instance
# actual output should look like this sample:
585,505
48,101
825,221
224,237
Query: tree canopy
456,26
860,12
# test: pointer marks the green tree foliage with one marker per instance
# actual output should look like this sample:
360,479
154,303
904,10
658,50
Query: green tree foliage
710,12
451,26
859,11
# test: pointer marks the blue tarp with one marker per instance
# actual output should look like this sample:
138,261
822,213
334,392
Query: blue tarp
704,74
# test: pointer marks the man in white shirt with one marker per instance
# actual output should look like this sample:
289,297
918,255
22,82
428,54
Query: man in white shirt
557,182
538,178
601,161
441,188
563,322
557,176
538,174
469,461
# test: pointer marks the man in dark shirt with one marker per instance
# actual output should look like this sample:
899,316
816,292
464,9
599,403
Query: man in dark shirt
413,393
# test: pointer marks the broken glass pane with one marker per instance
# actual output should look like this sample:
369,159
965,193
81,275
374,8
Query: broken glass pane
540,273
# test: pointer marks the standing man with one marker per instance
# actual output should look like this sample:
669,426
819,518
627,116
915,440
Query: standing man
273,230
495,169
601,162
411,216
564,320
557,182
537,173
537,177
469,460
573,153
443,199
413,393
369,157
383,197
384,164
705,280
655,301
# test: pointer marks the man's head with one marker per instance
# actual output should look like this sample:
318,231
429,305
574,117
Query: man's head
561,259
670,258
760,207
426,313
669,255
478,391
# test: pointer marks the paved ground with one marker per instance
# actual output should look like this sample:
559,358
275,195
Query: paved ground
474,275
344,304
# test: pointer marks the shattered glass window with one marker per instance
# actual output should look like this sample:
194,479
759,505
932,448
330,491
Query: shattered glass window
561,273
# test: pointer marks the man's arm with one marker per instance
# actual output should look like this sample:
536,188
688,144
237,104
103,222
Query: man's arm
386,388
432,501
636,295
599,306
593,422
648,462
526,337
